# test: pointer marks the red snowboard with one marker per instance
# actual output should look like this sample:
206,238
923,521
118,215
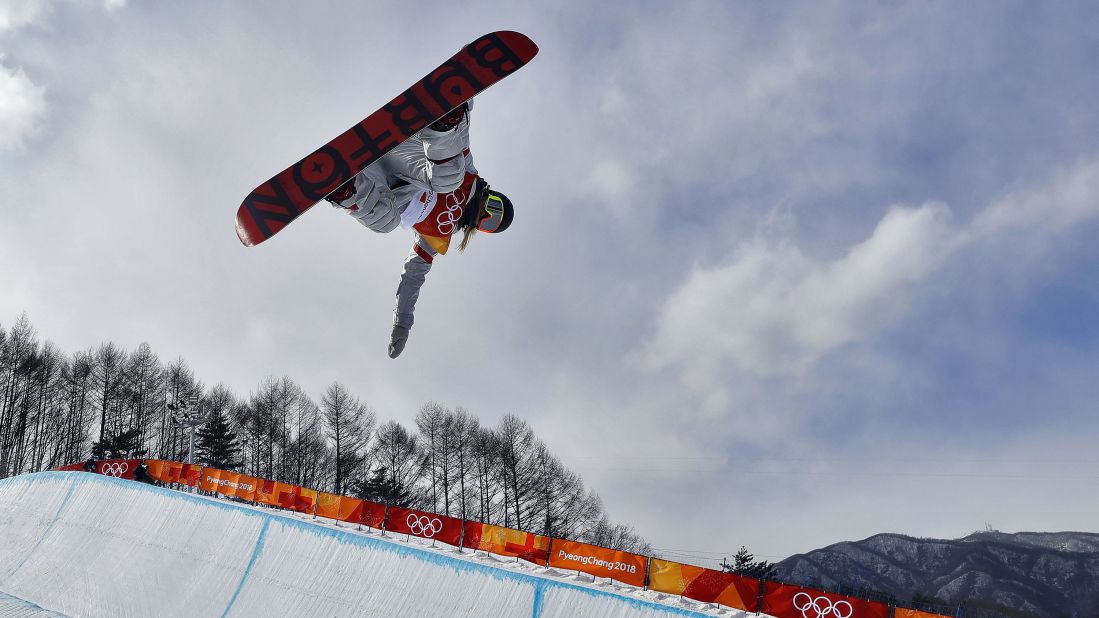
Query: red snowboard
482,63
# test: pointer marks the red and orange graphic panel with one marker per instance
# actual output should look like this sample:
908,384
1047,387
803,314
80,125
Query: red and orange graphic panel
901,612
164,471
702,584
276,493
507,542
229,483
598,561
338,507
423,524
373,514
303,499
786,601
121,468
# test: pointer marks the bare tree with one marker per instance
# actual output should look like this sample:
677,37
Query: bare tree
429,421
463,429
108,378
517,445
485,450
350,423
401,455
20,355
621,537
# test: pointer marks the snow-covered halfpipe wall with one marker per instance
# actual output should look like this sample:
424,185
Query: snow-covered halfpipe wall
90,545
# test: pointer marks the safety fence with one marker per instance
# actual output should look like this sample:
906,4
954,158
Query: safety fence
664,576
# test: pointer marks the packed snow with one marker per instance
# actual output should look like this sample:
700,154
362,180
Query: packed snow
80,544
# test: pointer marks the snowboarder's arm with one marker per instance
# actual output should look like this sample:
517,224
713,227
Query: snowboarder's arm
413,276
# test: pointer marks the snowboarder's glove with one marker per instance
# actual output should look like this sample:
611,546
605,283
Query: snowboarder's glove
397,340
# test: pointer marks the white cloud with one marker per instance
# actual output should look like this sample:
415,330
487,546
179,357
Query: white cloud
17,13
113,5
22,106
774,310
1072,197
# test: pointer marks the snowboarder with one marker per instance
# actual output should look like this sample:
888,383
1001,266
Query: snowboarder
141,473
427,184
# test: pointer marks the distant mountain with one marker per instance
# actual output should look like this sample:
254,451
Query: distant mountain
1026,574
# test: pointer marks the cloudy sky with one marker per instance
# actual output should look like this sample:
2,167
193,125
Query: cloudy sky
782,274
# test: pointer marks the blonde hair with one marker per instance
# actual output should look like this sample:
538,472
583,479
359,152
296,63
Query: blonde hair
467,232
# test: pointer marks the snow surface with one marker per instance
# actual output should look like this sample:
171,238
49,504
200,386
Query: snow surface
82,544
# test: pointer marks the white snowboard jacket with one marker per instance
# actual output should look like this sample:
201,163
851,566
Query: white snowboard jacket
416,185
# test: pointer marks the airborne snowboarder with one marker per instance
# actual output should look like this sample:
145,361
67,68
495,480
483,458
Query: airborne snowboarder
406,164
429,185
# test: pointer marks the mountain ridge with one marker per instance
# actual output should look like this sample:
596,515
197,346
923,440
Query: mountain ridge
1024,573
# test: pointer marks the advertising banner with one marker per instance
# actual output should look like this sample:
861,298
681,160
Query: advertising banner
76,467
276,493
228,483
189,474
426,525
303,499
786,601
121,468
338,507
706,585
373,515
507,542
598,561
901,612
173,472
246,487
164,471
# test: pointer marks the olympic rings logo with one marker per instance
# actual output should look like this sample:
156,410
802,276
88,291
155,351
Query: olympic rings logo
453,213
115,468
422,525
821,606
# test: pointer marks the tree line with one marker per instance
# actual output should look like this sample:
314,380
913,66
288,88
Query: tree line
107,402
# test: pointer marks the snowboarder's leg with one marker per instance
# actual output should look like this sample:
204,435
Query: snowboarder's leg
371,203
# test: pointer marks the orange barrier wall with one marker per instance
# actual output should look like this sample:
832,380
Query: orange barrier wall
227,483
373,514
423,524
598,561
707,585
121,468
275,493
702,584
901,612
304,499
507,542
786,601
343,508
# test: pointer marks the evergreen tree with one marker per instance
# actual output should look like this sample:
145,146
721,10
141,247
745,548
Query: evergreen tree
126,445
745,563
383,487
216,443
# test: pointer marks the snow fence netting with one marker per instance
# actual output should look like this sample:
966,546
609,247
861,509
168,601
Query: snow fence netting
89,545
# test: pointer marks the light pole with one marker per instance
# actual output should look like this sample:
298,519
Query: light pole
188,413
